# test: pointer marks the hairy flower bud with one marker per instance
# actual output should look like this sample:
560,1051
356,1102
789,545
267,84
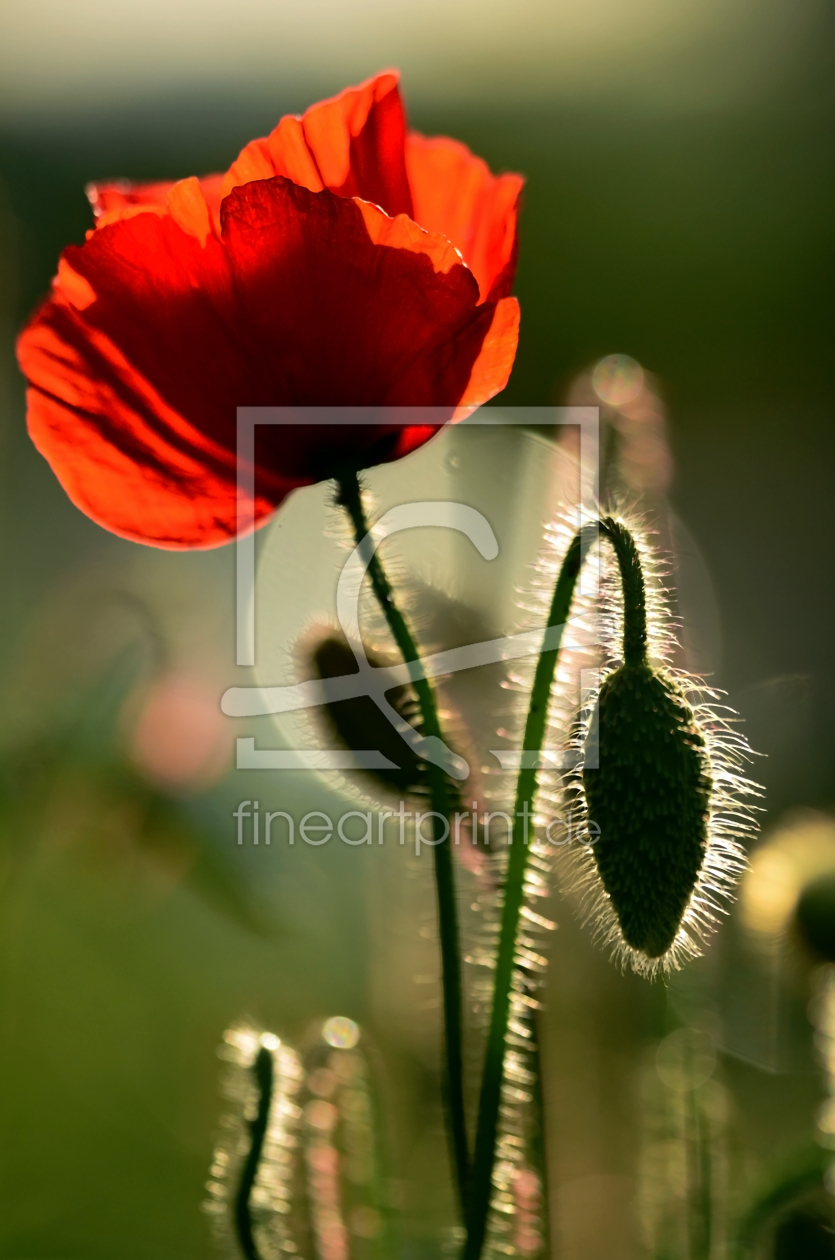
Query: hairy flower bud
658,781
650,797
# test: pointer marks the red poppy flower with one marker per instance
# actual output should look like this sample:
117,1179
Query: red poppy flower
340,261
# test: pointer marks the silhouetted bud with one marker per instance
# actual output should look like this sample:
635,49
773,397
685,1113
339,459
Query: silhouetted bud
650,797
659,782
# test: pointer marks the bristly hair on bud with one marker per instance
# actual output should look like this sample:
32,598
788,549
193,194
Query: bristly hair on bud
658,780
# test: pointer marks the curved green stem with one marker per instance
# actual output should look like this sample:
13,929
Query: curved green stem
633,588
514,895
350,497
634,648
263,1071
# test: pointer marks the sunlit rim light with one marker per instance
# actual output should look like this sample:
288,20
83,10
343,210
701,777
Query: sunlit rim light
731,816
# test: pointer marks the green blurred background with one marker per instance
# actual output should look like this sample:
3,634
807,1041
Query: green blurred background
679,202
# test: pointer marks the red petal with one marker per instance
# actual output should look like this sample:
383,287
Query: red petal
122,199
353,145
492,368
356,145
454,192
307,298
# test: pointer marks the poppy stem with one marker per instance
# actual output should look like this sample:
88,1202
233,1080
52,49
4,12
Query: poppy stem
350,497
633,588
487,1126
262,1070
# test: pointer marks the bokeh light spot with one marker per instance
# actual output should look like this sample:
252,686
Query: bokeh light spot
365,1222
340,1032
685,1059
321,1115
180,740
617,380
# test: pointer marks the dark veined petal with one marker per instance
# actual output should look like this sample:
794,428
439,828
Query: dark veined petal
158,329
357,145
